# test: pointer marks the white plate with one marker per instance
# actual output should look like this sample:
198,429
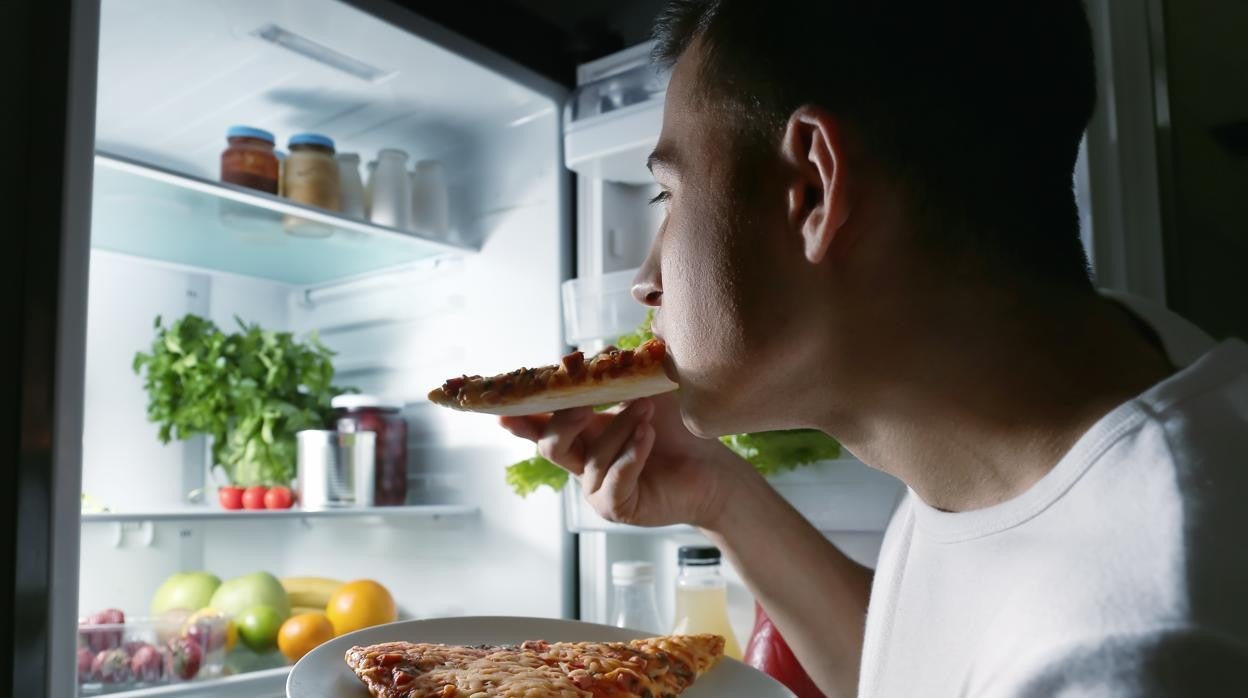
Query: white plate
323,673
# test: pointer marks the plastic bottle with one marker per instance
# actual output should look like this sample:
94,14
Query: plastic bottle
702,597
635,605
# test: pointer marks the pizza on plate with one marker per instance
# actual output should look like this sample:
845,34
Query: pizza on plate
615,375
657,667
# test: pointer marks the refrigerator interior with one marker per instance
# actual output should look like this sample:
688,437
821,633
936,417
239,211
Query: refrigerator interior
173,75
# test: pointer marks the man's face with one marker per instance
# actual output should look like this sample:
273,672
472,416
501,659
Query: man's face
724,268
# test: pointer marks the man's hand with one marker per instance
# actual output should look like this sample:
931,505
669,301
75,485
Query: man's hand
639,465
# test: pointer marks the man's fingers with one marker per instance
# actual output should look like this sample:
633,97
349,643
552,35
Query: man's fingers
529,427
619,487
562,441
609,444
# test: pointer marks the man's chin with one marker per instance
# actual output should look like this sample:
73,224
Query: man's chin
704,416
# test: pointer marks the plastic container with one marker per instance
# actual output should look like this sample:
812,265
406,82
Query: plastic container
390,189
143,652
430,200
351,184
249,160
360,413
702,597
635,606
600,307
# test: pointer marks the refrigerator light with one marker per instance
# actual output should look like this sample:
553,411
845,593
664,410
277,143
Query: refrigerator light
322,54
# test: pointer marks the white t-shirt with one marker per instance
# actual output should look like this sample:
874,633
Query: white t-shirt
1122,572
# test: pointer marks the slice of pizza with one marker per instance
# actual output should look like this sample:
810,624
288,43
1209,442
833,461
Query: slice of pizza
654,667
615,375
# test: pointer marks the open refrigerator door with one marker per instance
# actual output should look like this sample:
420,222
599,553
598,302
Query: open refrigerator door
395,303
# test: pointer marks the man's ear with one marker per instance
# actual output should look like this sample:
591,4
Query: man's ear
818,192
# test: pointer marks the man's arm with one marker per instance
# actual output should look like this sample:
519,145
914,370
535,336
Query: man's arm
814,593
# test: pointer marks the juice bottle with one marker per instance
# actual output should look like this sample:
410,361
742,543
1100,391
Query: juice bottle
702,597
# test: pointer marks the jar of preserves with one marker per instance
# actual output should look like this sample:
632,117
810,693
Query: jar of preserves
310,172
358,413
249,160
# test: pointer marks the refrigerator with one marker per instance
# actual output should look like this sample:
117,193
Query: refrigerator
547,221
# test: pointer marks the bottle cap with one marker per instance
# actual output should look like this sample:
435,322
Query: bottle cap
631,571
311,139
249,132
698,555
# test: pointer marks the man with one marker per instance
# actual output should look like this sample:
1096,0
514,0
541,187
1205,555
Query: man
870,230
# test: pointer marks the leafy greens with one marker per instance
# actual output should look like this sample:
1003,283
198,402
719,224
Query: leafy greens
250,391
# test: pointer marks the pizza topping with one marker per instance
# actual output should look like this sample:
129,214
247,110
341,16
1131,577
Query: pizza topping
654,668
468,392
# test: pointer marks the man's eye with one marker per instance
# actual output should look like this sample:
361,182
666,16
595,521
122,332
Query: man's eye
661,197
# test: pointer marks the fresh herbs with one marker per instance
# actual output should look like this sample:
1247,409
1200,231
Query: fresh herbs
770,452
250,391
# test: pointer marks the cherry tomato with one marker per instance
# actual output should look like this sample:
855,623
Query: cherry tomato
253,497
231,497
278,497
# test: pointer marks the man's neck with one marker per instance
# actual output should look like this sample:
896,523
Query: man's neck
975,417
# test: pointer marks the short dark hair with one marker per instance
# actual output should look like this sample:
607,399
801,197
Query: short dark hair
977,106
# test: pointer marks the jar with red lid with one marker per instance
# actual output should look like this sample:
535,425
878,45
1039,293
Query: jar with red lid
356,413
249,160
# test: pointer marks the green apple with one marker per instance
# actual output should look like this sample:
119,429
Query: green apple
189,590
255,589
258,626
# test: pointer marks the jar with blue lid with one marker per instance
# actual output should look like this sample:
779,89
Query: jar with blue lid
249,160
310,174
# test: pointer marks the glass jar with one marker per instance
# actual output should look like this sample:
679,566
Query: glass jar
249,160
310,174
702,597
356,413
635,606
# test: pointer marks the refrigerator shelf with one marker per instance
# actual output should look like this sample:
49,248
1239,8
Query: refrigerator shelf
158,214
266,683
206,513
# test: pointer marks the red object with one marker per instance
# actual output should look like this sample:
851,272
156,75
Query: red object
231,497
356,413
770,654
185,657
253,497
278,497
100,639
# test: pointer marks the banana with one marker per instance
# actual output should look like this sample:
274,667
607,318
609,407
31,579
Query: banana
313,592
300,610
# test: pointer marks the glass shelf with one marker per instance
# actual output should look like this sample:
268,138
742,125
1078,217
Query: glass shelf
207,513
259,684
158,214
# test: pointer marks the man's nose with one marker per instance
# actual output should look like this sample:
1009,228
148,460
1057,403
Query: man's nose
648,285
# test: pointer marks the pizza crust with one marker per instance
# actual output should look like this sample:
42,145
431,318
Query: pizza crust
605,392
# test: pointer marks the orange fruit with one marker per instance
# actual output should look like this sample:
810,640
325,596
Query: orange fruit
302,633
360,604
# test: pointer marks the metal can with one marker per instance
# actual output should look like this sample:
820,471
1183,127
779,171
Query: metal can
335,469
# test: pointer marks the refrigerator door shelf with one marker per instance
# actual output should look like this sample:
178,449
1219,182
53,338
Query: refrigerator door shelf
615,145
600,308
837,496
